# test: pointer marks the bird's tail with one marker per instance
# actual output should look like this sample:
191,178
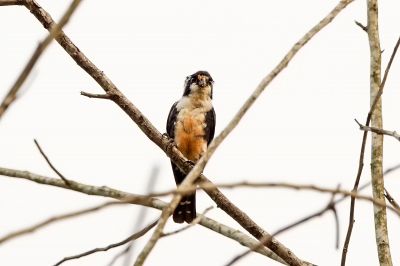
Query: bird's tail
186,209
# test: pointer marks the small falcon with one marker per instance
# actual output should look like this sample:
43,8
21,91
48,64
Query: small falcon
191,124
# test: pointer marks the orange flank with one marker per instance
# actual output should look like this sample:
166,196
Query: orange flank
189,137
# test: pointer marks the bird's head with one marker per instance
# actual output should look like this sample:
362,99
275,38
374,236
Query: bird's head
199,82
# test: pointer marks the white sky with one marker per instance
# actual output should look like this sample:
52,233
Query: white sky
300,130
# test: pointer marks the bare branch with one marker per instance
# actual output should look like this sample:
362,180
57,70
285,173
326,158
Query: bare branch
49,163
364,28
193,223
54,219
382,85
330,206
379,131
97,96
104,191
54,31
123,242
210,186
11,2
361,157
83,188
378,188
391,200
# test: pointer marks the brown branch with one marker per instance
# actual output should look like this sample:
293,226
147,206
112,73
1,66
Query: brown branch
379,131
123,242
193,223
361,157
329,206
208,186
11,96
54,219
391,200
104,191
364,28
49,163
332,206
97,96
334,203
11,2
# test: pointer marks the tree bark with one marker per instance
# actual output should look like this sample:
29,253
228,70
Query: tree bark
380,217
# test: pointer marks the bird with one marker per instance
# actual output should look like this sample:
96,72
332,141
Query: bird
191,125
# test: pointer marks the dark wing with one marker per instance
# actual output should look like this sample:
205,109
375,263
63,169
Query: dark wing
171,121
210,125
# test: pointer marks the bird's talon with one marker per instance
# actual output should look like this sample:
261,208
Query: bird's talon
190,163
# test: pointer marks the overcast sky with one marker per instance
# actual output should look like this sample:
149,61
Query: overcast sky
301,129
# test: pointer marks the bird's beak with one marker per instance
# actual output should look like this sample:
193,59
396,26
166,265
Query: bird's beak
202,80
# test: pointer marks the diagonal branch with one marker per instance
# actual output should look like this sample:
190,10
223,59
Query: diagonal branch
97,96
379,131
49,162
11,2
126,197
12,93
120,243
54,219
186,227
246,184
362,151
391,200
330,206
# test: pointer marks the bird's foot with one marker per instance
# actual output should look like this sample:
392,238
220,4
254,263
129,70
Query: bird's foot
170,142
190,164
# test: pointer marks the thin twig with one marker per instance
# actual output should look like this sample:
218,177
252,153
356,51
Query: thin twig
245,184
379,131
329,206
391,200
54,219
97,96
11,2
11,96
361,157
104,191
120,243
50,164
193,223
391,169
364,28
